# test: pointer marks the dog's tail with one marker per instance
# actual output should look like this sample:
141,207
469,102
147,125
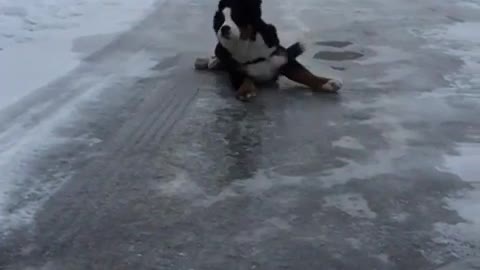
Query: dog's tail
295,50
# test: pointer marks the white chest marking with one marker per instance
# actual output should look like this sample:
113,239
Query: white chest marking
266,70
244,51
247,50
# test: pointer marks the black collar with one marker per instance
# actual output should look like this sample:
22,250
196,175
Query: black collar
260,59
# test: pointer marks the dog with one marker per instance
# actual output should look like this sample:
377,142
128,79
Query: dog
249,49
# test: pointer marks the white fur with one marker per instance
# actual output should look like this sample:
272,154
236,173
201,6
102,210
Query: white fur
234,29
248,50
266,70
333,85
263,71
278,61
213,62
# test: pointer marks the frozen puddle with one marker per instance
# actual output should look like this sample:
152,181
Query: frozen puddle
337,56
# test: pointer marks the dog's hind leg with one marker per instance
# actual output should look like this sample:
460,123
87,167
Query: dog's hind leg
296,72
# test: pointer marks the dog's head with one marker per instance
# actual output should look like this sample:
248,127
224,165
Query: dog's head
236,19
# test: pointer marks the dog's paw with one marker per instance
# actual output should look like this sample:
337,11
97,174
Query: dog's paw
246,91
332,85
201,63
213,63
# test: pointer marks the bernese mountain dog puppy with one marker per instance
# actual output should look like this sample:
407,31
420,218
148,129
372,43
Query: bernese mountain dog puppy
249,50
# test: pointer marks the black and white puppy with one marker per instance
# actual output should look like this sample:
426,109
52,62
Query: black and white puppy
249,50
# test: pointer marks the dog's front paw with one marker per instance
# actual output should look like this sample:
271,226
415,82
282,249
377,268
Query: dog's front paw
213,63
201,63
332,85
247,90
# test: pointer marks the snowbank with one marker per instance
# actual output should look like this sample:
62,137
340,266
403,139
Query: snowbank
37,36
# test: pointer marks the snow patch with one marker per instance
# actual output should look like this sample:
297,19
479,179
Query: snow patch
465,32
181,185
381,161
352,204
15,157
264,181
36,38
349,143
384,258
390,74
472,4
465,163
400,217
22,193
460,40
271,227
384,55
24,68
468,207
464,237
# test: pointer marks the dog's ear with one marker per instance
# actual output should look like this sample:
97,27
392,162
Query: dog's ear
222,4
254,7
255,3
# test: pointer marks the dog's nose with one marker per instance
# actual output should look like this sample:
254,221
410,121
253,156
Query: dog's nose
225,30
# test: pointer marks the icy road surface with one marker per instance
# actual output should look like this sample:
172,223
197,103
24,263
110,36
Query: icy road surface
118,155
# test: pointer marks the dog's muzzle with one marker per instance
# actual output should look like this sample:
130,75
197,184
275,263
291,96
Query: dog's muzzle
226,31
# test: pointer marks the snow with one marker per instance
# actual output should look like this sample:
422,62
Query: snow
41,64
19,146
464,164
37,46
352,204
37,36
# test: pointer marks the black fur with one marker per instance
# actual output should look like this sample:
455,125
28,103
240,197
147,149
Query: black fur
295,50
245,14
